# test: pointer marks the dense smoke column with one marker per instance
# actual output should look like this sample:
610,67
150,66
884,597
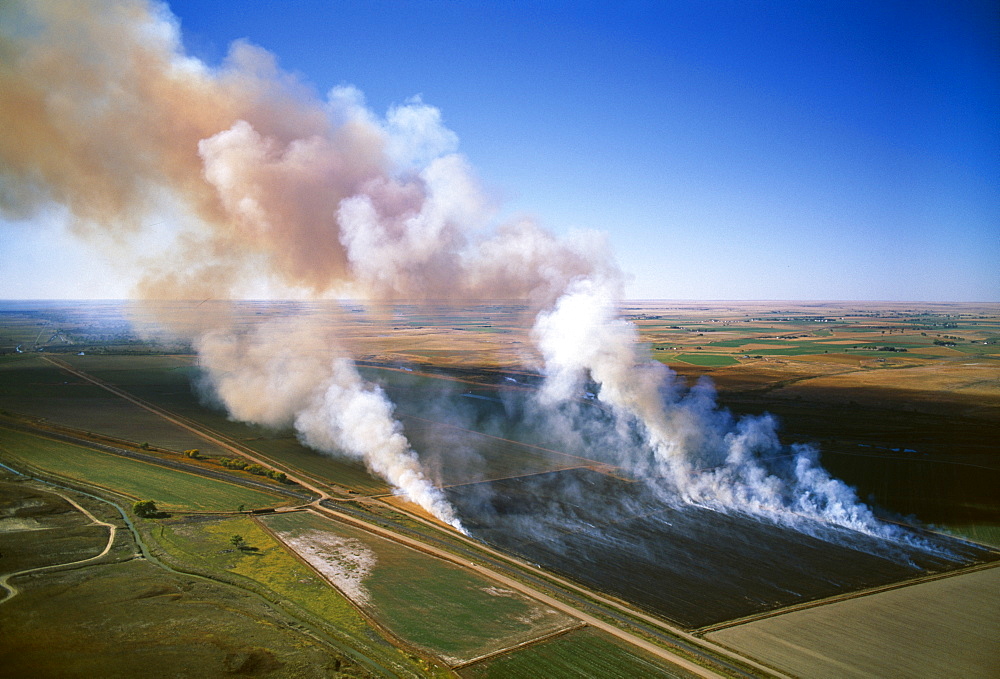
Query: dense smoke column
287,372
237,180
224,181
691,450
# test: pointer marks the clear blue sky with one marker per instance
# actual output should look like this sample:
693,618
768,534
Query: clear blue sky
744,149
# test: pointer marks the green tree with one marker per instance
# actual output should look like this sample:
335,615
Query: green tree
237,541
145,509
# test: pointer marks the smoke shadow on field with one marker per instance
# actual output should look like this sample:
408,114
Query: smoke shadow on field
690,564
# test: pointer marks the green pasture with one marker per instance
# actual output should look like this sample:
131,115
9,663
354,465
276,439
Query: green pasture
577,655
707,360
809,349
136,619
41,529
206,543
446,610
342,471
750,340
171,489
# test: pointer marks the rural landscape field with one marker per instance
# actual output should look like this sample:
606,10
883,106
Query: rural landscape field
261,556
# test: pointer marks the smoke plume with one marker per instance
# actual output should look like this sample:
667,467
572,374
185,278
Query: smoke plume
691,449
252,182
225,181
285,373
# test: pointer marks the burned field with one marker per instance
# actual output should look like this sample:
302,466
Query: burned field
517,487
692,565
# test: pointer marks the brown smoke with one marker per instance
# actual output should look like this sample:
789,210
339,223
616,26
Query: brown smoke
256,178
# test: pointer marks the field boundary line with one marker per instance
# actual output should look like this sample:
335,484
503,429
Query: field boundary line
500,438
382,629
847,596
521,646
550,601
595,467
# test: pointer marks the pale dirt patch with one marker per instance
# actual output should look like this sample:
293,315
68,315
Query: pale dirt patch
16,524
344,562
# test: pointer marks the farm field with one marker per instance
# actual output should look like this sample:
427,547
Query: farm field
944,628
902,401
688,564
580,653
447,611
166,381
76,623
31,386
39,528
204,544
169,488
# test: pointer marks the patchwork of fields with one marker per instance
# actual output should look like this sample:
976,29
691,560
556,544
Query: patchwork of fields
431,604
903,402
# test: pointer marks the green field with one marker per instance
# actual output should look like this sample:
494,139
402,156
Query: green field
134,619
166,381
40,529
170,489
580,654
446,610
75,623
205,542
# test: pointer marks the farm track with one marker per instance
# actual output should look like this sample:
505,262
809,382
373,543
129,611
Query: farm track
195,428
305,626
521,646
94,521
323,495
584,598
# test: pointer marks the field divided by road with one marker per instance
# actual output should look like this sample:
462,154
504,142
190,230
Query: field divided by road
585,652
170,489
434,605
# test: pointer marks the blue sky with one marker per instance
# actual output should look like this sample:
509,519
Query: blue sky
730,150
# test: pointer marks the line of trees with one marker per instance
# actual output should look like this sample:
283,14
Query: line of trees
243,465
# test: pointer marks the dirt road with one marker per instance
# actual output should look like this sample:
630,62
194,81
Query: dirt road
112,532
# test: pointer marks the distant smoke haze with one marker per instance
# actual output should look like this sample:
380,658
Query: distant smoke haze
220,180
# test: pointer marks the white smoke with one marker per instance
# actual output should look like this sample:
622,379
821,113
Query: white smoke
272,187
691,449
289,371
